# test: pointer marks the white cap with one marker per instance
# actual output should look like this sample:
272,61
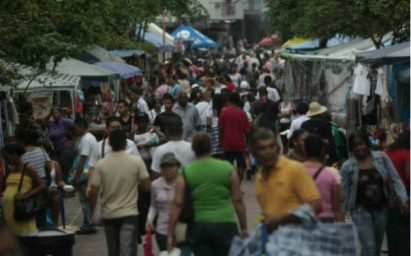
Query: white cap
244,85
194,86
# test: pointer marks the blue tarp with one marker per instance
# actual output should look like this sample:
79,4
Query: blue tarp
124,70
188,33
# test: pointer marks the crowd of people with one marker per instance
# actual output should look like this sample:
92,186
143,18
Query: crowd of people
206,127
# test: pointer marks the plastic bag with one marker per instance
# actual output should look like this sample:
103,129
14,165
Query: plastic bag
148,243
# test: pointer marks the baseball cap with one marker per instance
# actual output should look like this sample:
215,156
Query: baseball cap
244,85
169,159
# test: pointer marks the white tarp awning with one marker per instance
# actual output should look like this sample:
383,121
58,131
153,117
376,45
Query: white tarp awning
74,67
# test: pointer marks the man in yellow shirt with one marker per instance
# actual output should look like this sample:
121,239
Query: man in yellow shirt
282,185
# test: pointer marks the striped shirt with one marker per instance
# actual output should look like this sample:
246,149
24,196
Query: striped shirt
37,158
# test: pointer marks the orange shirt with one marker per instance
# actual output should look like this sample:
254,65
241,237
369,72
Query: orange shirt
287,187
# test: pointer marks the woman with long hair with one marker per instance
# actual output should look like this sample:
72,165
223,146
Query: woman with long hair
365,178
31,186
328,183
296,145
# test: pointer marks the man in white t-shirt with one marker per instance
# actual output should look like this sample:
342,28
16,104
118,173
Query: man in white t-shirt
203,108
273,93
235,76
103,148
181,149
84,145
301,110
262,77
137,100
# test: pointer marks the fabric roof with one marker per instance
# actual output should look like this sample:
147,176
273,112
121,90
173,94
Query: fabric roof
154,28
385,56
124,70
350,49
188,33
294,41
46,81
97,54
342,52
74,67
127,53
157,41
336,40
154,35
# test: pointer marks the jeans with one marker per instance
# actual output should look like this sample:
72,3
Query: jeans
398,232
207,238
121,236
371,228
88,225
161,241
237,156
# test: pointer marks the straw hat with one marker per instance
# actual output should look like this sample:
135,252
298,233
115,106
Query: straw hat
316,109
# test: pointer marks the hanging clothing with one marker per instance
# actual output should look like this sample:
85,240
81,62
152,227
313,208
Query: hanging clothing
361,84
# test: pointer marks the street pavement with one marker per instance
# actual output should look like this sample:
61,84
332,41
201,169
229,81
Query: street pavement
90,245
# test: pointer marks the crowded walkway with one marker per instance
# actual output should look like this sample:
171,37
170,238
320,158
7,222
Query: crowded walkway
201,158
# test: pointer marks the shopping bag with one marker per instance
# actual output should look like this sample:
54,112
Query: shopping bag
254,245
323,239
148,243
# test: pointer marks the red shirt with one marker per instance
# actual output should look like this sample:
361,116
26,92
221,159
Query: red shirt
399,158
235,124
230,86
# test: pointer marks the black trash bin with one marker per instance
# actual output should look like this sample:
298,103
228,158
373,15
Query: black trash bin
50,242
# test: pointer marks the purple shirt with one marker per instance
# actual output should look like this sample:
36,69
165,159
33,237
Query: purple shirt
56,133
325,182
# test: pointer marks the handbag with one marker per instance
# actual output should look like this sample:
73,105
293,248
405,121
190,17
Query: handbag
187,211
27,208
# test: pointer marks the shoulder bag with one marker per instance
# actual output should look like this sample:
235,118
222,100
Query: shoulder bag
27,208
187,211
318,172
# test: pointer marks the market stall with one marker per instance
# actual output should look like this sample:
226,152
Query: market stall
83,89
46,89
325,75
380,97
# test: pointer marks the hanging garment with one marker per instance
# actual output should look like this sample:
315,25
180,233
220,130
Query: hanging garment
361,82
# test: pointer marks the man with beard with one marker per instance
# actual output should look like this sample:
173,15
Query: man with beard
189,115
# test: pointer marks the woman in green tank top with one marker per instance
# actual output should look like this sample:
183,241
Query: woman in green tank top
216,197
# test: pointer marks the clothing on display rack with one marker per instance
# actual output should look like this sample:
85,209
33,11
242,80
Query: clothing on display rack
361,82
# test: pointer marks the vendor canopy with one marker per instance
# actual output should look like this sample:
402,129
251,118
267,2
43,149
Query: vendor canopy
128,53
124,70
313,44
74,67
188,33
386,56
34,80
154,35
96,54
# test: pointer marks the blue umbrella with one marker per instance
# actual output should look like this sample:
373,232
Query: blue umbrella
190,34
